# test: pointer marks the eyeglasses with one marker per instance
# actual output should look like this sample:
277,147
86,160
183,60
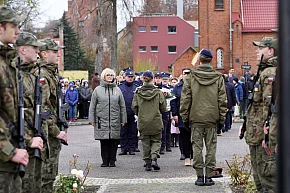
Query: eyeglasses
109,74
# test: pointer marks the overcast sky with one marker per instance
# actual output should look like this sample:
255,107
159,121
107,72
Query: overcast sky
53,9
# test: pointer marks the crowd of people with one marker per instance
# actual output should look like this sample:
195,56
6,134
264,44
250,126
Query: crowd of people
162,111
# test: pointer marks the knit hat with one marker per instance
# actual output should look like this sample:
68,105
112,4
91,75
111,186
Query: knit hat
236,79
206,53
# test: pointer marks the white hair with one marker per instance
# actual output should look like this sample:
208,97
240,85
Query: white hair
107,71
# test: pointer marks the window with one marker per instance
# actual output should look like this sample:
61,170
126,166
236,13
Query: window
219,4
142,48
81,24
154,48
153,29
172,49
220,57
171,29
142,28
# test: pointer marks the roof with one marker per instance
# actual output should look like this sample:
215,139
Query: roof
190,47
193,23
259,15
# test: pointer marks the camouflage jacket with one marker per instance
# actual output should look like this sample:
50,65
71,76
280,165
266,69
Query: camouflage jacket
258,110
273,129
28,83
49,95
8,108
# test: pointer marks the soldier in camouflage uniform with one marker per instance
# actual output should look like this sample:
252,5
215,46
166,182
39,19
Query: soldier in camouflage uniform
264,176
27,49
48,61
10,154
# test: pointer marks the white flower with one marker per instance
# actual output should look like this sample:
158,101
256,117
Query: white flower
80,174
75,185
82,187
74,172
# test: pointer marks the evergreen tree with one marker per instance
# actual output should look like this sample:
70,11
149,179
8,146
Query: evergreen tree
74,55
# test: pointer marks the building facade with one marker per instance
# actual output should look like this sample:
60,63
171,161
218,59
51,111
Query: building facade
160,39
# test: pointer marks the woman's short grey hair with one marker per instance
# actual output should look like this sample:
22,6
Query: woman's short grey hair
107,71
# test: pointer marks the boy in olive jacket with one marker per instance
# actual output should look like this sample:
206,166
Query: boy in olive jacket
149,104
203,106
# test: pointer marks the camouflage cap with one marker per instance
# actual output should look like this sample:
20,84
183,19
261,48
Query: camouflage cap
28,39
9,15
50,44
267,42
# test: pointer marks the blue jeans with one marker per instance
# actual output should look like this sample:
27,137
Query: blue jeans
72,111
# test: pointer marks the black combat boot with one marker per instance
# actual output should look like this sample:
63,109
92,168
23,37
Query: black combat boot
208,181
123,153
154,164
199,181
148,167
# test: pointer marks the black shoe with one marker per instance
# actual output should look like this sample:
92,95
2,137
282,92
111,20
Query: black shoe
148,167
132,153
199,181
182,157
123,153
168,150
154,164
137,150
104,165
208,181
112,164
162,151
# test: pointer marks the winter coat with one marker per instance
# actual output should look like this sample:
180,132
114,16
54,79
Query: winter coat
175,103
128,89
86,93
231,94
203,98
72,96
239,92
149,103
107,111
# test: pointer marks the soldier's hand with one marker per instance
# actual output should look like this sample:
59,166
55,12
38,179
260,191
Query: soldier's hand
266,148
37,142
123,124
62,135
175,118
266,129
92,124
240,130
21,157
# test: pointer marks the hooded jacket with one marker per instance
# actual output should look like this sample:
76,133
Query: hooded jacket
107,111
72,96
149,104
203,98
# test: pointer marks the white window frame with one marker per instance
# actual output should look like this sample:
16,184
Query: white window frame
172,52
153,30
220,58
142,28
154,47
140,48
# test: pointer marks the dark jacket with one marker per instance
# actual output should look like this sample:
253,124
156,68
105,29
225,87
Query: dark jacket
231,94
128,89
86,93
250,85
95,81
239,92
72,96
175,103
149,103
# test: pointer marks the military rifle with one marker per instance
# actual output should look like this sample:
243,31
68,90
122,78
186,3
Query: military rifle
21,116
250,97
38,114
60,113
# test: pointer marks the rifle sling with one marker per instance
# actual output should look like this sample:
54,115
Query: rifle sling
9,125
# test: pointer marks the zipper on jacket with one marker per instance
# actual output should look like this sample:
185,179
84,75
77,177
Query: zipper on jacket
109,113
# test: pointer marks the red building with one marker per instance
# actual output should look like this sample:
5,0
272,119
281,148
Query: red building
160,39
228,29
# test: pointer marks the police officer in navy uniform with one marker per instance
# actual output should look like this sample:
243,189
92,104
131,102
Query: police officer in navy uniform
128,136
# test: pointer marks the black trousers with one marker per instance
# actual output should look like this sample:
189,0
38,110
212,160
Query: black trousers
166,131
128,136
85,109
185,136
109,150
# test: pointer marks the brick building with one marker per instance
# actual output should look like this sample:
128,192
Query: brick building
228,29
161,39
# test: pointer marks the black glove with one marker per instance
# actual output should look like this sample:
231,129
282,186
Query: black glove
186,125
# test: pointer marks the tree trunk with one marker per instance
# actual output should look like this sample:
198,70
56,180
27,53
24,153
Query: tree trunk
106,52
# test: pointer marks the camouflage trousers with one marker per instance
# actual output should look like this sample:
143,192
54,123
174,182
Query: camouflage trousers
50,165
31,182
264,169
151,146
10,182
208,135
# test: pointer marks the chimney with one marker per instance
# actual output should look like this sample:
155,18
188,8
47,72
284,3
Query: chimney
180,8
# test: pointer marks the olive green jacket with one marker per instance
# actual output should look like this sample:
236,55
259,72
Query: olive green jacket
149,104
203,99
